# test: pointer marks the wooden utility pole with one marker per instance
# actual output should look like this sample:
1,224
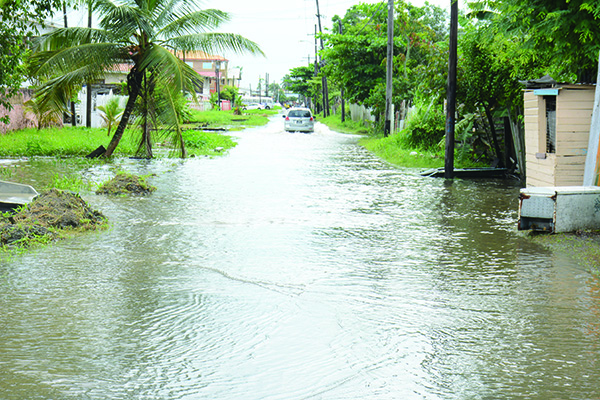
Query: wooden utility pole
88,98
266,84
324,78
389,67
451,99
342,87
217,70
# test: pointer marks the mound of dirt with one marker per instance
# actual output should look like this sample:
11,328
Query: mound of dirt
46,214
126,184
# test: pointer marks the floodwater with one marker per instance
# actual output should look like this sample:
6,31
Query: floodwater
299,266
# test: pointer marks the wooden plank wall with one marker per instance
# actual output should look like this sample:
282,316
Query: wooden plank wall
573,119
540,172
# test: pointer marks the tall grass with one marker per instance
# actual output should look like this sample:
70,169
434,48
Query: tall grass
348,126
215,118
79,142
60,142
391,149
72,182
206,143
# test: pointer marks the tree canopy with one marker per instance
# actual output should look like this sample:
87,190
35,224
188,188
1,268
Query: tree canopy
144,36
19,20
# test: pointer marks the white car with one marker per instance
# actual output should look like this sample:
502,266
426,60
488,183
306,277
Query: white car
299,119
253,106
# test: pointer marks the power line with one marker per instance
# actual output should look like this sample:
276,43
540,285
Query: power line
371,17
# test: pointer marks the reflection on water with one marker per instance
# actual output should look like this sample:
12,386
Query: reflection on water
298,266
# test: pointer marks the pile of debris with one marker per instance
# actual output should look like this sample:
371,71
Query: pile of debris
45,216
126,184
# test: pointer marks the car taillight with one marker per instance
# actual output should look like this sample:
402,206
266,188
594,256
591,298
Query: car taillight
287,118
311,118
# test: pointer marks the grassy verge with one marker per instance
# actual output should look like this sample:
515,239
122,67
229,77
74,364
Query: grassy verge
348,126
80,141
200,143
60,142
392,149
393,152
227,119
583,246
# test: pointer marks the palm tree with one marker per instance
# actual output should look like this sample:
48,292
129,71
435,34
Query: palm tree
111,113
145,35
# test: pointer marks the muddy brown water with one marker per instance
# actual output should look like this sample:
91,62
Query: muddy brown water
297,267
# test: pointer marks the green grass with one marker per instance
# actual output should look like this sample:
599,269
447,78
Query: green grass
390,150
78,142
199,143
60,142
72,182
227,119
348,126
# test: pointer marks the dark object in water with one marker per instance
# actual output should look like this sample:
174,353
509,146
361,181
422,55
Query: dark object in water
469,173
97,153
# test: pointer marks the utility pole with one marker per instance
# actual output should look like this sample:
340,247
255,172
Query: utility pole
267,84
389,68
217,68
451,100
324,79
88,98
342,86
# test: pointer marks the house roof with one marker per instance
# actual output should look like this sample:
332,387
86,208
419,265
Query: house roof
199,56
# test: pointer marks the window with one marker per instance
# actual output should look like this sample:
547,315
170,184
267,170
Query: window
206,65
550,102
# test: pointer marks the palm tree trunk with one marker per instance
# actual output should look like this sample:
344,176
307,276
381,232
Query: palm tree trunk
134,82
146,141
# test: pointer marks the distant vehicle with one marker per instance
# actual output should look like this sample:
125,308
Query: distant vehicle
299,119
268,105
253,106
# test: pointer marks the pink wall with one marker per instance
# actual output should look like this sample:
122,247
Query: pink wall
17,118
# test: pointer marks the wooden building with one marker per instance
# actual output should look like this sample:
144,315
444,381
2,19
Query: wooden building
557,126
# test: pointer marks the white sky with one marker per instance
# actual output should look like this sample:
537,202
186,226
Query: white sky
284,30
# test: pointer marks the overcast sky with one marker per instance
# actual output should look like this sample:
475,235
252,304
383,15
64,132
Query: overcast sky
284,30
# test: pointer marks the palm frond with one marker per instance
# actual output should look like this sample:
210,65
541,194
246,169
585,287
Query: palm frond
92,59
170,120
195,22
170,69
215,43
69,37
126,18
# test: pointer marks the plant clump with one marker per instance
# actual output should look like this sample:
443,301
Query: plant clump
47,215
126,184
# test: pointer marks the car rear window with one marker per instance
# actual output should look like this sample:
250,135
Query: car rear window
299,113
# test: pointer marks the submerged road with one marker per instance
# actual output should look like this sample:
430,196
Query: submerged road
299,266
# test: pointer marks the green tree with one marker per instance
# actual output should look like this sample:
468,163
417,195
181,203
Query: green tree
18,23
230,93
299,81
356,58
566,30
143,34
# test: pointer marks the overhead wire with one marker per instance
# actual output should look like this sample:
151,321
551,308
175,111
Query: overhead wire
371,17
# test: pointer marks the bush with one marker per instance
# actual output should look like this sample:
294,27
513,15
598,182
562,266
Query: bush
425,127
